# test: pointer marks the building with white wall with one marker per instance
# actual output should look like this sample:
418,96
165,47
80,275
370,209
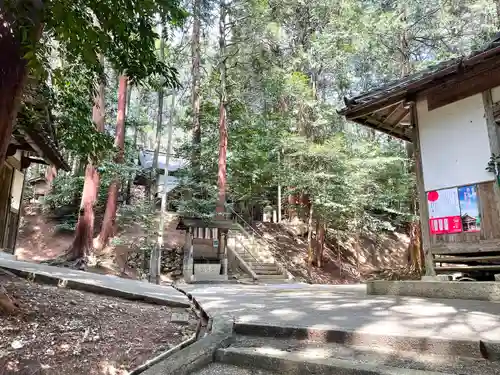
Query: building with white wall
449,112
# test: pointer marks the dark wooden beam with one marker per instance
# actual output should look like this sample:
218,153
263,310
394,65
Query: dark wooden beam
455,91
452,75
464,259
26,162
375,106
189,222
397,107
401,117
12,148
378,126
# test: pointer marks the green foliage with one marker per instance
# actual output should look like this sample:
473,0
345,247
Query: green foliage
121,31
73,107
66,191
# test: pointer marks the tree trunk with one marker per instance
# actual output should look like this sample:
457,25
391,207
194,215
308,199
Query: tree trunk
159,125
130,180
309,242
155,262
497,5
50,175
195,97
108,227
18,32
320,235
279,188
82,245
293,204
221,180
415,243
75,166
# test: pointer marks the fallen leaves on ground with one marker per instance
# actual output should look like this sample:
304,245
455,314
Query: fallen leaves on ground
62,331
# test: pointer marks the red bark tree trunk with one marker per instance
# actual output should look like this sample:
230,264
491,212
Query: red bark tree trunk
221,180
108,227
82,245
13,65
195,87
321,243
293,201
50,175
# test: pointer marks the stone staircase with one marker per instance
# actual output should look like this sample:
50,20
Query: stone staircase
258,260
266,355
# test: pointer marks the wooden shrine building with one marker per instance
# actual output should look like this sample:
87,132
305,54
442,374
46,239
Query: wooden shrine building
451,114
32,141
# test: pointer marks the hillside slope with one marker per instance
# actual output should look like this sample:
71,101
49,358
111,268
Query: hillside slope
344,262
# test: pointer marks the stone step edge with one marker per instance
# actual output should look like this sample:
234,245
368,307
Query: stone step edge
398,343
294,364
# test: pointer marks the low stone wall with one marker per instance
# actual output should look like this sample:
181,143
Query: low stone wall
471,290
171,261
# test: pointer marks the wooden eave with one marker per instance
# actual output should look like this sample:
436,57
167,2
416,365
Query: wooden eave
191,222
388,108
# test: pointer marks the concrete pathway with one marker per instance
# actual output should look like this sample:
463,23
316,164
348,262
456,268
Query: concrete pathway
348,308
108,284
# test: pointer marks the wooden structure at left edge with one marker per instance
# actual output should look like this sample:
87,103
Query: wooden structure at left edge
28,144
451,113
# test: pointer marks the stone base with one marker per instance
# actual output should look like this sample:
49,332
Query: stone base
207,272
437,278
469,290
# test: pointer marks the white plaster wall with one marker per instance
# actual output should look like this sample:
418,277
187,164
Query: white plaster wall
454,143
495,94
17,190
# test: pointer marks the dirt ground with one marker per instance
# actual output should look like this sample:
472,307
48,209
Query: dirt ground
38,241
345,263
61,331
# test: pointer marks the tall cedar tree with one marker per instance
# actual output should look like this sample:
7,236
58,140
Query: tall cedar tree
222,175
195,97
159,127
82,245
108,227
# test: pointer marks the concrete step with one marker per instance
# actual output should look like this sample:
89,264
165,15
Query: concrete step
262,265
225,369
256,261
442,355
265,277
267,272
303,363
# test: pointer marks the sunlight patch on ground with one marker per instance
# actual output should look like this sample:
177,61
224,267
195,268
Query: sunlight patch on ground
248,318
424,310
253,305
288,314
270,351
310,353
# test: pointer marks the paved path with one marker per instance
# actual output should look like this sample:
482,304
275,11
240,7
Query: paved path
349,308
134,289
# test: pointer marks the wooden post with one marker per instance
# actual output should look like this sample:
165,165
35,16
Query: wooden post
223,240
493,137
422,196
191,252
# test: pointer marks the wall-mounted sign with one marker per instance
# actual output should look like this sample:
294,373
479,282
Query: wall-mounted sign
444,211
469,208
